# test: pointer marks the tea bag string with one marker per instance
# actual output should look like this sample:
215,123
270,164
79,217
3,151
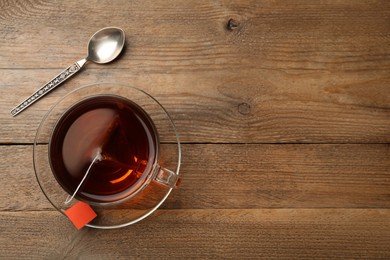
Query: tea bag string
98,157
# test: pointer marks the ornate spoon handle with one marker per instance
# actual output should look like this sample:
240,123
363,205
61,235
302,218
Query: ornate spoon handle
57,80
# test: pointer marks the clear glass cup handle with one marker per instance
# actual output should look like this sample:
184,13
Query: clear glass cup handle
166,177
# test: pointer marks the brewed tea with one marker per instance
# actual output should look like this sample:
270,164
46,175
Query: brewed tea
116,130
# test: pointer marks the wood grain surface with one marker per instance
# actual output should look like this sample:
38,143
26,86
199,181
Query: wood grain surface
283,109
221,108
254,176
206,233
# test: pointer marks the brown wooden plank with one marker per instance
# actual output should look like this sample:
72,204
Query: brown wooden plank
192,35
266,234
243,106
243,176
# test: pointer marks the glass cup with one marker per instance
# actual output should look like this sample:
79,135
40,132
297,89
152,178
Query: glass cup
144,195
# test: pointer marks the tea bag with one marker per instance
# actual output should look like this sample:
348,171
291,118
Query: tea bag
105,121
92,145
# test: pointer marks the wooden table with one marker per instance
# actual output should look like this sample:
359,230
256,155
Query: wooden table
283,108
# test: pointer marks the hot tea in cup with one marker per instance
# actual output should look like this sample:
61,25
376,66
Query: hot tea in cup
117,132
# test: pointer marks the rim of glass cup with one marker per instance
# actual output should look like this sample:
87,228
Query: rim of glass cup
150,177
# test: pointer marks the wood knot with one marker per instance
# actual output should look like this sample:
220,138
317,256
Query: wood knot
232,24
244,108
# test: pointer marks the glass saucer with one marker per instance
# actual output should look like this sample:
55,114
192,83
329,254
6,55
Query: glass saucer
136,208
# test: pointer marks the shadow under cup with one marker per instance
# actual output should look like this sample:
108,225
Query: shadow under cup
126,141
105,147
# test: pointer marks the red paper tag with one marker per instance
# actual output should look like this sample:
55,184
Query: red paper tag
80,214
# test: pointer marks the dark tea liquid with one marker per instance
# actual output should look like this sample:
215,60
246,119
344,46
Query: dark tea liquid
117,132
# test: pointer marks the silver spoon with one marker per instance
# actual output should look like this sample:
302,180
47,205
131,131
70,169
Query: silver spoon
104,46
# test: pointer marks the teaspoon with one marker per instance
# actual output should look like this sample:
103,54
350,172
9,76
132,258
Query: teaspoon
103,47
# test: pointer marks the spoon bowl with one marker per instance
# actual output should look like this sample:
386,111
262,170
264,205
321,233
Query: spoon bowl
103,47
